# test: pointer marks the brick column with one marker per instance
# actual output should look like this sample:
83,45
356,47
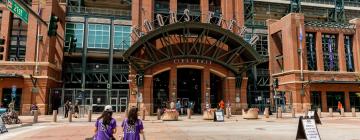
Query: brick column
173,84
230,96
205,86
148,6
173,5
147,94
204,8
5,30
243,93
227,10
324,107
356,44
347,101
319,52
341,52
239,12
135,16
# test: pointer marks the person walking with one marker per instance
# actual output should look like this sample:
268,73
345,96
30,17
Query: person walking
76,110
339,107
33,108
105,126
178,106
132,126
67,108
222,105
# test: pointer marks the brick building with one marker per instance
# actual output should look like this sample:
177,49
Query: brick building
147,53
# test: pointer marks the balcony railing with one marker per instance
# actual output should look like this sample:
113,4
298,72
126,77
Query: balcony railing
126,14
352,3
93,67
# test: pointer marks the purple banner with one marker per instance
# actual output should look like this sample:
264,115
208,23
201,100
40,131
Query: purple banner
331,54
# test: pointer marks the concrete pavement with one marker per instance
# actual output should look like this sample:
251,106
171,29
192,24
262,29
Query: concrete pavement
235,128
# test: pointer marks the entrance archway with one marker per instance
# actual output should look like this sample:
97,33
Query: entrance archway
189,88
207,47
160,90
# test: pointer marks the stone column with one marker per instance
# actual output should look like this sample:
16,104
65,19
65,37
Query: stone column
347,101
319,52
341,52
204,9
323,101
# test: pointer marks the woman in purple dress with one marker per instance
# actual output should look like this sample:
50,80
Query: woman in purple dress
105,126
132,126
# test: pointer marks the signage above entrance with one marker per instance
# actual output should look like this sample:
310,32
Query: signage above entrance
190,60
231,25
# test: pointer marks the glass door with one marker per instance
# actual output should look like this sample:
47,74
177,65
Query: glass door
123,104
114,104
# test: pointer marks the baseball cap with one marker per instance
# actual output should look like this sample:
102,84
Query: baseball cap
108,108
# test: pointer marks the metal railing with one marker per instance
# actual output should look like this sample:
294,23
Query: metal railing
100,11
352,3
97,67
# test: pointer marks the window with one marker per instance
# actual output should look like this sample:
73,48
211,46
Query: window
99,36
311,51
261,45
17,48
122,38
349,53
330,53
76,30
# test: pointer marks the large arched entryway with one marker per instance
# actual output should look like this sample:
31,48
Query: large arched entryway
214,57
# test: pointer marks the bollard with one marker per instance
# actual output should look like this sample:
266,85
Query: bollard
243,112
266,112
158,112
319,112
353,112
293,112
54,115
227,113
70,116
331,112
342,113
89,115
189,113
279,112
35,120
143,114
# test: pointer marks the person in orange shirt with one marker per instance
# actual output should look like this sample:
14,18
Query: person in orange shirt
339,107
222,105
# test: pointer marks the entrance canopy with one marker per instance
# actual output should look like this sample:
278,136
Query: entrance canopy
195,41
